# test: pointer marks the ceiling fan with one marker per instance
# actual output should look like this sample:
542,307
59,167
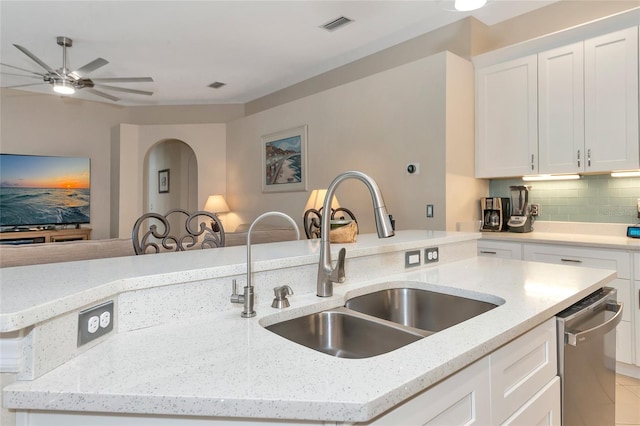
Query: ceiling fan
66,82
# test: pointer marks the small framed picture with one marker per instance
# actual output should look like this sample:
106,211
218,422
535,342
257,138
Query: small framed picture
284,160
163,181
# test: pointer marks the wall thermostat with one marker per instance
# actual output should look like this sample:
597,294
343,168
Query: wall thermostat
413,168
633,231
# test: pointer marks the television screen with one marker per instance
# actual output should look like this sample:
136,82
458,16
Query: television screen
41,190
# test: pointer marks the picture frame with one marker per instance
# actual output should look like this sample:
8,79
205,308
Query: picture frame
163,181
284,160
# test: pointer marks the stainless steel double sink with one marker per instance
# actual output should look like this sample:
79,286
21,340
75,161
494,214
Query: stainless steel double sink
380,322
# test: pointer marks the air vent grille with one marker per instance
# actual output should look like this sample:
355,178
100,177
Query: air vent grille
217,84
337,23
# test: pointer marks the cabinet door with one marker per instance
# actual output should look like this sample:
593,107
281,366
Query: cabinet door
561,110
611,101
507,118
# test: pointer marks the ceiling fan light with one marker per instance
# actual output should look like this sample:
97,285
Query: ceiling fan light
63,88
467,5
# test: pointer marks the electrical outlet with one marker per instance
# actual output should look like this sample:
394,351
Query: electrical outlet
429,210
95,322
535,209
412,258
431,255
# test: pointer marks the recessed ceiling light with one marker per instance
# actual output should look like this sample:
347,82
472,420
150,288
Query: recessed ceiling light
334,24
217,84
467,5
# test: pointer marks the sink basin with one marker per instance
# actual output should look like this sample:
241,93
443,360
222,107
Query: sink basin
422,309
343,334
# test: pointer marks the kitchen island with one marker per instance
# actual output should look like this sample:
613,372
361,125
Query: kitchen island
181,349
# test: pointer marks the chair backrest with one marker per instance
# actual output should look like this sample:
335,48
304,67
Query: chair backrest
152,232
313,218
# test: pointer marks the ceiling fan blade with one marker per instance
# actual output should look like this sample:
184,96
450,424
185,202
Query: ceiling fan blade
22,69
123,80
104,95
91,66
21,75
124,89
23,85
35,59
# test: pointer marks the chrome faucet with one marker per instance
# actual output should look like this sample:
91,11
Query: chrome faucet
327,274
248,297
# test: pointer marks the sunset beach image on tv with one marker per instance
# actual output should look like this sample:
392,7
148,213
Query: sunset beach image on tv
43,190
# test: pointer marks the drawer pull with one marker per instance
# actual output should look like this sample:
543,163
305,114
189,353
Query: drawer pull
487,252
571,260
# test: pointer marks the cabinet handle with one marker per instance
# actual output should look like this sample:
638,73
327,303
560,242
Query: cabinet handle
490,252
532,162
578,158
571,260
588,158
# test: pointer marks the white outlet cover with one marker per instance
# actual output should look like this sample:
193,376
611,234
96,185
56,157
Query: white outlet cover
105,319
94,324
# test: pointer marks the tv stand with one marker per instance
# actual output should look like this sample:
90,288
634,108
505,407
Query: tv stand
44,236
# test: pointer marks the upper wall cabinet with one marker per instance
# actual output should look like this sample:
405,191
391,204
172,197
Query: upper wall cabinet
507,118
561,110
573,109
611,101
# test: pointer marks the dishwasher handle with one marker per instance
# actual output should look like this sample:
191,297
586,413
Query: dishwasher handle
574,338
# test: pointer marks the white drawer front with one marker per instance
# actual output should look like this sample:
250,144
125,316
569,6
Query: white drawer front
504,250
543,409
462,399
616,260
521,368
624,340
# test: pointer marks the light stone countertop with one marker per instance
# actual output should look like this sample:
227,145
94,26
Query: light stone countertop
36,293
224,365
602,235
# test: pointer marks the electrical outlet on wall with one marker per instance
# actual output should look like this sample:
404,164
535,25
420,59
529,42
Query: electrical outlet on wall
95,322
535,209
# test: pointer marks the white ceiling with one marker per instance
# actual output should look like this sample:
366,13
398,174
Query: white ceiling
255,47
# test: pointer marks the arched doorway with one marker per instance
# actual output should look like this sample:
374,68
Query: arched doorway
171,177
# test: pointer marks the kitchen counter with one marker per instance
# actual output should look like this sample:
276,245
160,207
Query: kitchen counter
220,364
578,234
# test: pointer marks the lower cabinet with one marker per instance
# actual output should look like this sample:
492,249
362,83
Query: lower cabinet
617,260
500,249
516,384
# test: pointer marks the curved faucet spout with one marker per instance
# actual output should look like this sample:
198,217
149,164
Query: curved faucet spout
327,275
248,299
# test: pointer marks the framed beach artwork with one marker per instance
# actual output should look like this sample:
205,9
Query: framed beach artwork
284,160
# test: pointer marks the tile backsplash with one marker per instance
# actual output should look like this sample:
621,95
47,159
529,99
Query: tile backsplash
598,198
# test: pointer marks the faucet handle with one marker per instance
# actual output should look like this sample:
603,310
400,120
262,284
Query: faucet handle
280,301
338,275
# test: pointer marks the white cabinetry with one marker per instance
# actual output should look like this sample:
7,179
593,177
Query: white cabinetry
571,109
500,249
462,399
616,260
561,110
635,304
507,118
516,384
611,101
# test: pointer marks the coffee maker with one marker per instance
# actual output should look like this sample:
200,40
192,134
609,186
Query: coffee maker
521,219
495,213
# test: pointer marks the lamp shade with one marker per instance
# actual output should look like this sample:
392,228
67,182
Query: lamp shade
316,200
216,204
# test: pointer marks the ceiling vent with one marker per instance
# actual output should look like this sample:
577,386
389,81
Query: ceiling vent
337,23
217,84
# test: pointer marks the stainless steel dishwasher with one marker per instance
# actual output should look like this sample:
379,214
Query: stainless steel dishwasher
587,359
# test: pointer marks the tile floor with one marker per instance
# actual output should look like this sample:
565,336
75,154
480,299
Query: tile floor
627,400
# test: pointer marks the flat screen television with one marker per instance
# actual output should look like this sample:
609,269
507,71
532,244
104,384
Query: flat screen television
38,191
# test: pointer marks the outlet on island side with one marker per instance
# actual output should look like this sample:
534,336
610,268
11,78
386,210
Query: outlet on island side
95,322
431,255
